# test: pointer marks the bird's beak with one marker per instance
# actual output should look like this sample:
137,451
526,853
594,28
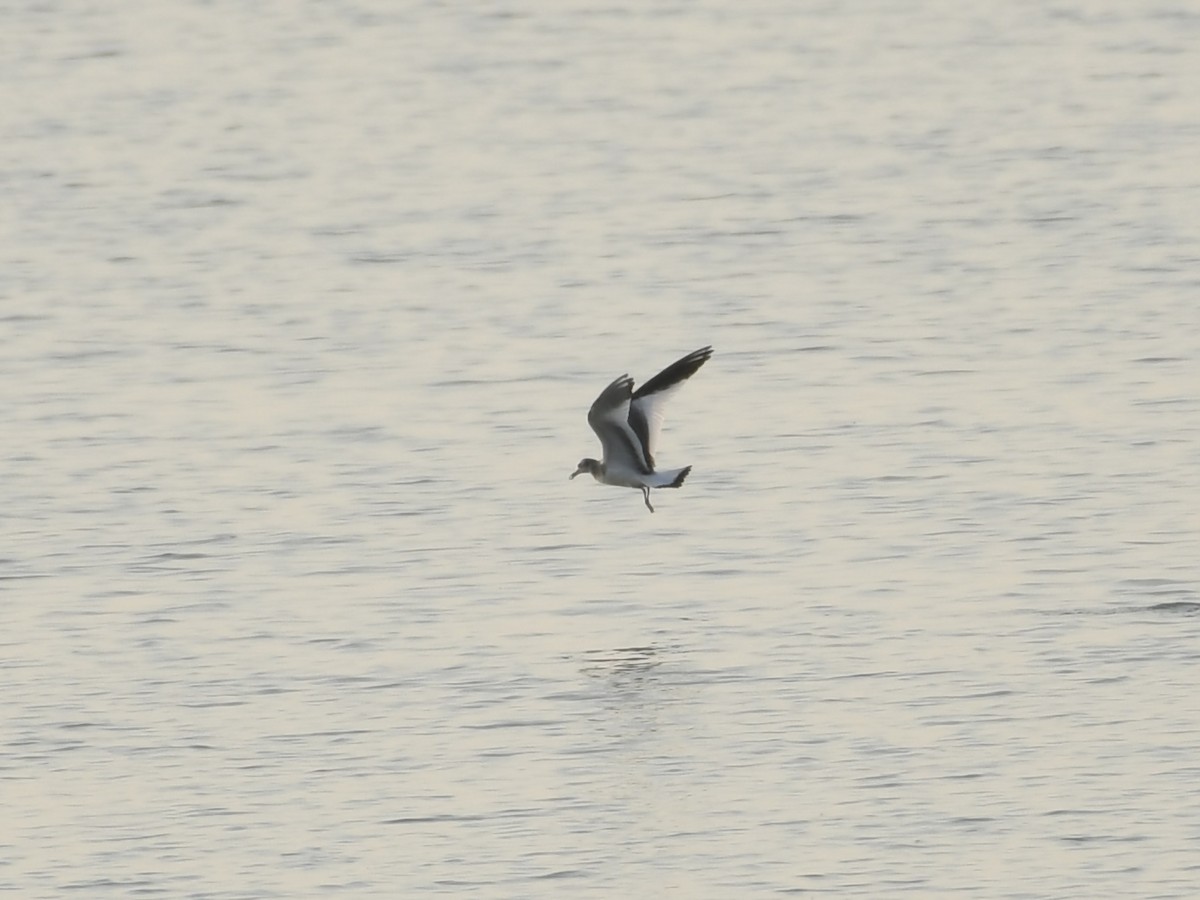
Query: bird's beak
578,471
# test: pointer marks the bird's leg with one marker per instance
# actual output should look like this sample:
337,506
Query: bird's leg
646,497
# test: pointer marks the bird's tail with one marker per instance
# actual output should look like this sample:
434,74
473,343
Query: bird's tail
672,478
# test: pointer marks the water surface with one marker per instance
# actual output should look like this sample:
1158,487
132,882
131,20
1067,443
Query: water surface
301,309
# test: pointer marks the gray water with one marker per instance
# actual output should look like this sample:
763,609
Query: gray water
301,309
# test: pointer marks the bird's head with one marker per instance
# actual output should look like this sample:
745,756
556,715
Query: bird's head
587,465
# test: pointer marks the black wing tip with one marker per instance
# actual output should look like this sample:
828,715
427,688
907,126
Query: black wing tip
696,358
680,370
620,383
683,473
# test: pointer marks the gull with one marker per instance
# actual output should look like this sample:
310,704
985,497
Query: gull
628,422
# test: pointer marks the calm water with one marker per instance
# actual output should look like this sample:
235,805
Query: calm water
302,306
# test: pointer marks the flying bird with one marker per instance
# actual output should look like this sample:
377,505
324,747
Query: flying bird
628,423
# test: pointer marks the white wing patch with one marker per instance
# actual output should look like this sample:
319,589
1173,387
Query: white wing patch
649,401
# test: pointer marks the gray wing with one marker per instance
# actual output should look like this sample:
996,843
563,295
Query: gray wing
646,408
609,418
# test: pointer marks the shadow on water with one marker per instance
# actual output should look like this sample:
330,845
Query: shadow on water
623,660
1165,609
1177,607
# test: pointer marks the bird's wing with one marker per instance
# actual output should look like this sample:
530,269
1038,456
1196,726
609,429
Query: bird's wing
609,418
646,406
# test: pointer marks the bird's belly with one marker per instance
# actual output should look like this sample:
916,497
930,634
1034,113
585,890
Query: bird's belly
622,477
